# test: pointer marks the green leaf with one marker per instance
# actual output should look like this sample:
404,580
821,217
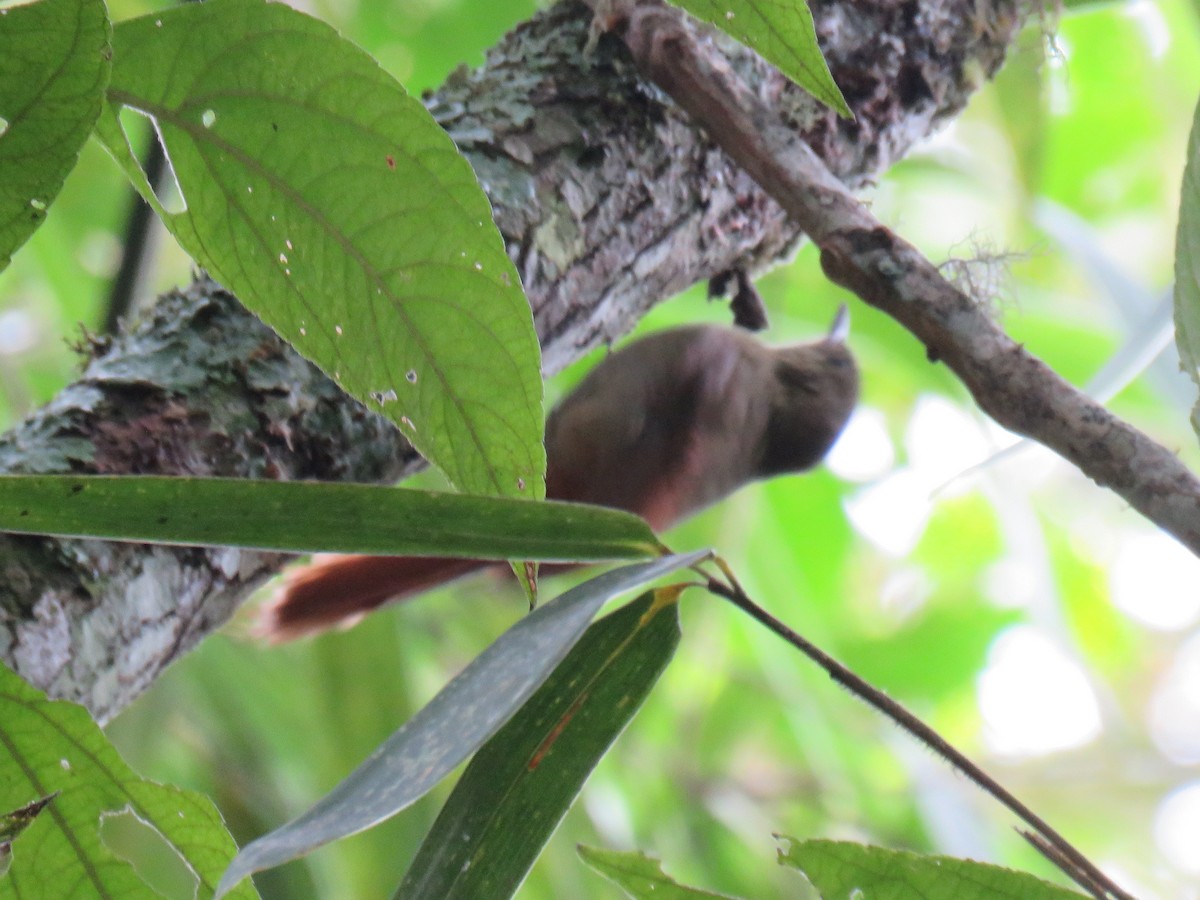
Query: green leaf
339,212
54,65
522,782
641,876
464,714
54,747
843,869
305,517
782,32
1187,265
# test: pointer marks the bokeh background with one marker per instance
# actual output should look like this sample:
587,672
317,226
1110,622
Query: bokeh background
1032,617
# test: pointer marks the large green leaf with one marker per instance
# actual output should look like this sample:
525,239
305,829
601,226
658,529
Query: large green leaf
642,877
305,517
338,211
49,747
520,784
843,869
782,32
455,723
1187,265
54,64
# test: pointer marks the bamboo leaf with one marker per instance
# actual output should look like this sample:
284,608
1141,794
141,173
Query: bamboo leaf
522,782
306,517
464,714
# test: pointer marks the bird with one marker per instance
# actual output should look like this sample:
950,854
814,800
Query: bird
664,427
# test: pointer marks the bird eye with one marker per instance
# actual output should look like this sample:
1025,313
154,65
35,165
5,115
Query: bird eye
795,379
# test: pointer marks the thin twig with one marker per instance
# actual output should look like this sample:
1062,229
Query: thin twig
1055,856
1014,387
1080,869
135,249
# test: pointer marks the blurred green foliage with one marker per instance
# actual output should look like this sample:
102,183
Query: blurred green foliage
742,738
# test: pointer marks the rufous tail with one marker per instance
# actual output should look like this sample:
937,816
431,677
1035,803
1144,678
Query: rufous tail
337,590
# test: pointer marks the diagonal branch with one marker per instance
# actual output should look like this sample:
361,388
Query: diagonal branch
1012,385
1044,838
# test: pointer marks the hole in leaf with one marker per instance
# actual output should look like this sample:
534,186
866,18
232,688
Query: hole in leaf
154,859
166,186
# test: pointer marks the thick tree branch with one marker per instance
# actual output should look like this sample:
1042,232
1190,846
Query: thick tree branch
1012,385
610,200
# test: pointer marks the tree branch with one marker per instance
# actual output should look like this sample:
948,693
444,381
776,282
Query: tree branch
610,200
1044,838
1013,386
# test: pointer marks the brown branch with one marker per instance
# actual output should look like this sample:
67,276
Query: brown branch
1061,861
1012,385
1053,845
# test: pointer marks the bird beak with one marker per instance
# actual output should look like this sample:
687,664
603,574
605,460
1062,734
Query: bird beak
840,329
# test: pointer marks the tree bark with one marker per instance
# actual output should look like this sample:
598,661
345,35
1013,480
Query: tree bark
610,200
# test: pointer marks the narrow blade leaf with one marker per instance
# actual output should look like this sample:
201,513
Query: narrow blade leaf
339,212
54,64
464,714
520,784
305,517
